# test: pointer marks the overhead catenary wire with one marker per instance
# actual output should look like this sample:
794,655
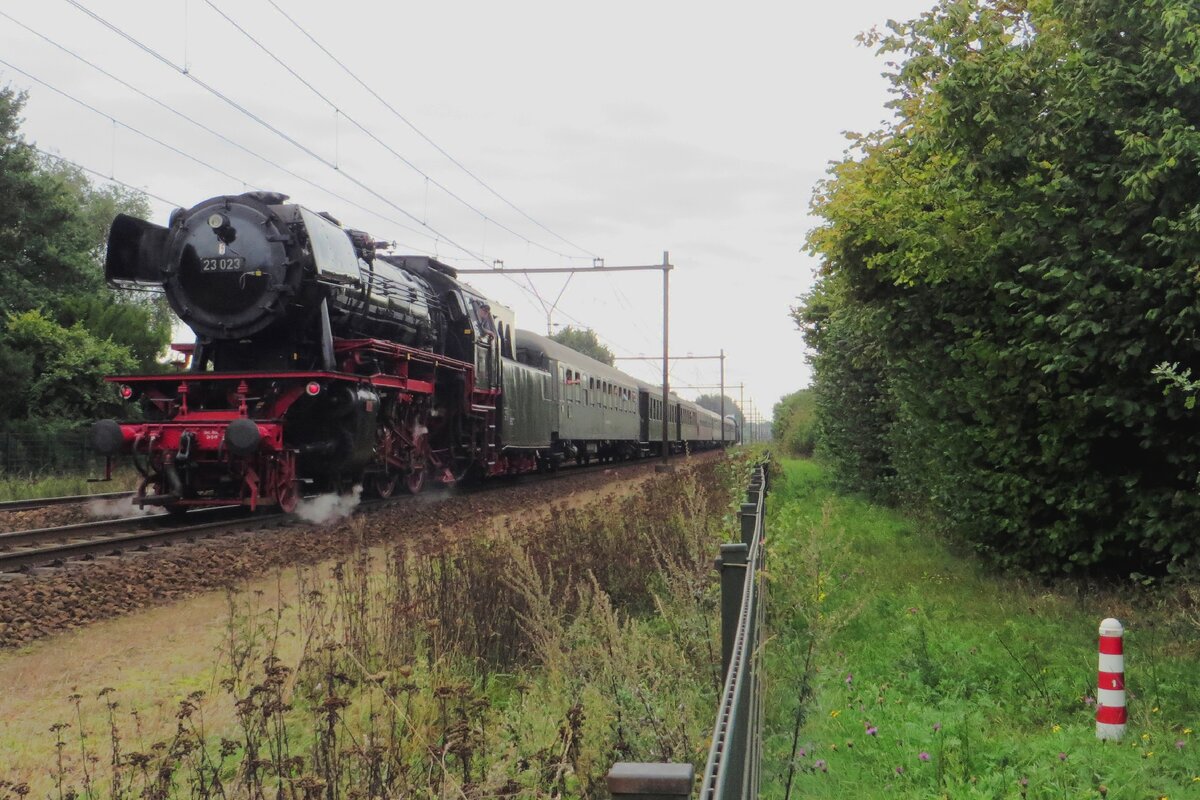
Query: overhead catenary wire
124,124
420,133
223,137
272,128
341,114
102,176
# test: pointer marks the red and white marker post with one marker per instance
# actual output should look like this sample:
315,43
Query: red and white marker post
1110,684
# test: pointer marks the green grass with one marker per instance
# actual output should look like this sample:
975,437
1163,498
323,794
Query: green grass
28,487
913,648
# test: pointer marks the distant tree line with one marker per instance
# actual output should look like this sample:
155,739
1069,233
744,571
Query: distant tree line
794,423
584,340
61,328
1004,264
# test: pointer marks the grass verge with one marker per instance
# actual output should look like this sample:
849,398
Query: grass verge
913,672
29,487
521,664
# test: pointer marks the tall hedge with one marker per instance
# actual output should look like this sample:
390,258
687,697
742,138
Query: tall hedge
1004,264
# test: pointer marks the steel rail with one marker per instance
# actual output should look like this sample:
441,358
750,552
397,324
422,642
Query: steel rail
43,502
79,529
55,554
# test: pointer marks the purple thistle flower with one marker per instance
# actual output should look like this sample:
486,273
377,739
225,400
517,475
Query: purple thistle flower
937,726
1062,756
923,756
820,764
850,679
1089,701
872,730
1179,744
899,770
803,753
1024,781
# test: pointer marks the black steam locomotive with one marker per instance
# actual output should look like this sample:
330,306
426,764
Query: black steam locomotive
320,363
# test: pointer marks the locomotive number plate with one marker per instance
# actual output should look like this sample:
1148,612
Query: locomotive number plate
223,264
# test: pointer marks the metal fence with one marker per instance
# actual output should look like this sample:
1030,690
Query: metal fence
38,453
735,756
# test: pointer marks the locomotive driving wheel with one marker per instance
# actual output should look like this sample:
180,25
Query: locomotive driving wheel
383,484
284,487
414,481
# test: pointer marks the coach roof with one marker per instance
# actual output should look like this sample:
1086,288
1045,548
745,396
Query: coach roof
548,348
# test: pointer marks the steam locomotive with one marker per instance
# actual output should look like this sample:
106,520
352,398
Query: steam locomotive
320,363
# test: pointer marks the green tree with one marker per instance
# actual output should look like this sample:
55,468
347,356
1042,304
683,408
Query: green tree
584,340
62,369
45,246
794,420
141,327
713,403
1004,265
53,228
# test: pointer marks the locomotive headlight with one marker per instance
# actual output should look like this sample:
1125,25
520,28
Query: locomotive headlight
312,389
216,221
126,392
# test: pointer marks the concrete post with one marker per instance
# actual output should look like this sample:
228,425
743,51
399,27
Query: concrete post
1111,715
632,781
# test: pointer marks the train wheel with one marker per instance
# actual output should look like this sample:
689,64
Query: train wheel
414,481
289,497
384,486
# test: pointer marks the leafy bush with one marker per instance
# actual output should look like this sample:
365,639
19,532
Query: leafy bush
1003,267
63,369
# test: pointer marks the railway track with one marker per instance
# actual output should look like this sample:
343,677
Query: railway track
49,547
21,550
46,502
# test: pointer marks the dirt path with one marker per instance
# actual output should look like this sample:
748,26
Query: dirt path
173,645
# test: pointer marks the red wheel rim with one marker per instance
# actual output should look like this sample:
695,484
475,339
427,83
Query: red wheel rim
415,480
385,485
289,498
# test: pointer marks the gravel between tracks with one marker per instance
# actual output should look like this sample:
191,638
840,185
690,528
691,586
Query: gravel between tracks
35,606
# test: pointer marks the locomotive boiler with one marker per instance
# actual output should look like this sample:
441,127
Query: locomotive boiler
259,279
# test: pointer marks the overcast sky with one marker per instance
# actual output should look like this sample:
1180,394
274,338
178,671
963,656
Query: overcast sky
622,129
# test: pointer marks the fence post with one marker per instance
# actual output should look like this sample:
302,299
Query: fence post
632,781
732,564
749,516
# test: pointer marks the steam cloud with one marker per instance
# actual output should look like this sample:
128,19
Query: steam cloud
329,507
119,507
